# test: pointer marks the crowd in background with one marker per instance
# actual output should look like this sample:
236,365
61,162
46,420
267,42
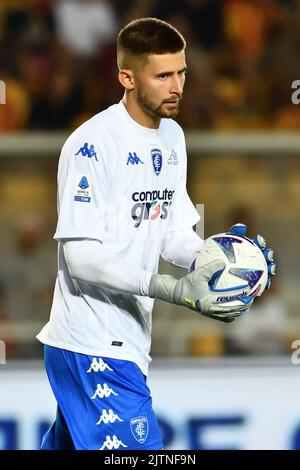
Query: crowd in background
58,60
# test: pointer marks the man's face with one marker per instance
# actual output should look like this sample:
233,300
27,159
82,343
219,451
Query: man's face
159,84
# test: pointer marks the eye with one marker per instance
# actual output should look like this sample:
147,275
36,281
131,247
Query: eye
163,76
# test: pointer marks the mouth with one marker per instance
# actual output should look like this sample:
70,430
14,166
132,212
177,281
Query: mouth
172,103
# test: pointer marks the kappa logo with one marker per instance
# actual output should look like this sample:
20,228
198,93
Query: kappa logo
109,417
104,391
87,151
98,365
156,160
112,443
133,159
173,159
139,428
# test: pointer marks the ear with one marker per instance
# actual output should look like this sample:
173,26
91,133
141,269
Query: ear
126,78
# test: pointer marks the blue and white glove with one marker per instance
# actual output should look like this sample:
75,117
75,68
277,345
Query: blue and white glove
193,291
241,229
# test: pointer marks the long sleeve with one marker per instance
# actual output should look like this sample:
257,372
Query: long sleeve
181,250
89,262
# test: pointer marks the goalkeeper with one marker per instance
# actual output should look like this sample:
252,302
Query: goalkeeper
122,202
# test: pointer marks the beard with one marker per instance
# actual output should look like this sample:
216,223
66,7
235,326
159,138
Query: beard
151,108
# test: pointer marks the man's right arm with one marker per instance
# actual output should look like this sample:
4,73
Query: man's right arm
88,261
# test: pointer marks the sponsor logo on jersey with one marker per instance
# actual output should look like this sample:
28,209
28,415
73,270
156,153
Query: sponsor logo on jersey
139,428
112,443
109,417
82,199
151,205
83,189
98,365
156,160
133,159
173,159
103,391
87,151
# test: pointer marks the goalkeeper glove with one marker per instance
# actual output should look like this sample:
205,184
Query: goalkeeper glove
193,291
240,229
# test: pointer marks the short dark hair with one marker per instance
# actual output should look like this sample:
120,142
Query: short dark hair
146,36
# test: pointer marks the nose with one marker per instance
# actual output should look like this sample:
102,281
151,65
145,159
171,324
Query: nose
176,86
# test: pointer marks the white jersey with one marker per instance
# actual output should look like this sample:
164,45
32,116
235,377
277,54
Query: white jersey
125,185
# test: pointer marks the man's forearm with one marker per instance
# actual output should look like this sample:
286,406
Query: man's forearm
88,261
182,249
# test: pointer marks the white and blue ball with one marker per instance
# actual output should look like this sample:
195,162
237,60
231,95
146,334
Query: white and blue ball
244,263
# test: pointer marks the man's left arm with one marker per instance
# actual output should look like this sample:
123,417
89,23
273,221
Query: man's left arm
181,248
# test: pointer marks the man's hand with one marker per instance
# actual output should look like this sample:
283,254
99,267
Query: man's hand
193,291
241,229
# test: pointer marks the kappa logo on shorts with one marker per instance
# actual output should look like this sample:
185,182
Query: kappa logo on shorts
98,365
139,428
112,443
104,391
109,417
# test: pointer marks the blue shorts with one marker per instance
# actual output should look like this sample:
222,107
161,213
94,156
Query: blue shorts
103,404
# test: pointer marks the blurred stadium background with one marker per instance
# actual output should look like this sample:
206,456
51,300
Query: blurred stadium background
57,59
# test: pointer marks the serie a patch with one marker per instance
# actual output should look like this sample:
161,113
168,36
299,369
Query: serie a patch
83,188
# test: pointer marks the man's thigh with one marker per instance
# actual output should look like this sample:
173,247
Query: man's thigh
105,402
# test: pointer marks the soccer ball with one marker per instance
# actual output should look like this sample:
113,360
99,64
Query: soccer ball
245,263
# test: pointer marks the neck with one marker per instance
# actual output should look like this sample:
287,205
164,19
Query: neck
138,114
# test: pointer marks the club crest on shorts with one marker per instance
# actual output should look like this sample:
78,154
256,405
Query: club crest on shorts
139,428
156,160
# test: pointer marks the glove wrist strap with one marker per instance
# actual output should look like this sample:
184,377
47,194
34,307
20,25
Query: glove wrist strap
162,286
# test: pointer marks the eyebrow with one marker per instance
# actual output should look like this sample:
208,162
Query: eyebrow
171,73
